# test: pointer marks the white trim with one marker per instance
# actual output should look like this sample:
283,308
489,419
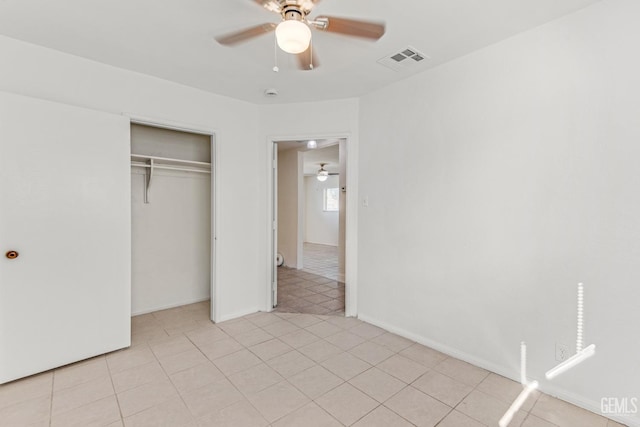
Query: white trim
351,235
215,227
508,372
215,191
173,305
170,124
237,315
300,213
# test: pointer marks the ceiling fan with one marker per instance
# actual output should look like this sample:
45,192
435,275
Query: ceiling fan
293,34
323,174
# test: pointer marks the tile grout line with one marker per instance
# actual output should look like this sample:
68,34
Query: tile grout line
53,379
248,349
389,398
225,377
193,417
115,394
294,386
142,385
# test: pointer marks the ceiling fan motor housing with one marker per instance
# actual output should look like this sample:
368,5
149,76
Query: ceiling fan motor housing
293,13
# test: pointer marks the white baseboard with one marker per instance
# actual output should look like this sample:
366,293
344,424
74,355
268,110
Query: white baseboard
293,267
238,314
323,244
172,305
582,402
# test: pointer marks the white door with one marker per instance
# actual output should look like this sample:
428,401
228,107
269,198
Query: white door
64,207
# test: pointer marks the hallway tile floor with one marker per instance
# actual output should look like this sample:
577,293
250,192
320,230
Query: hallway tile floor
273,369
321,260
303,292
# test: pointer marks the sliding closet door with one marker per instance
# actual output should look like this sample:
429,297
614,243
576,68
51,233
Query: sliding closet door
64,209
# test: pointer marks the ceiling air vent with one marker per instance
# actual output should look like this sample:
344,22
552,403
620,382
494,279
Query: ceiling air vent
406,58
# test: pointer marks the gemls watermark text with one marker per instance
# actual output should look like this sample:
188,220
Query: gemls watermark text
619,405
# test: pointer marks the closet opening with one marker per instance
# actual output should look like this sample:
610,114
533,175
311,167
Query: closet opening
172,225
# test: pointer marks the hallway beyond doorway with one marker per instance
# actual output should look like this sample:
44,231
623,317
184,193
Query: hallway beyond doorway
321,260
304,292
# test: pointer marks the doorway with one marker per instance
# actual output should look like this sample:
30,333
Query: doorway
309,216
172,210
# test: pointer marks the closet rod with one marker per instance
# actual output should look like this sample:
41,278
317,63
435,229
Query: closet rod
168,159
175,168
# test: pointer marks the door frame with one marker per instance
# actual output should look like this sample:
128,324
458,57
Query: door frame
351,222
212,133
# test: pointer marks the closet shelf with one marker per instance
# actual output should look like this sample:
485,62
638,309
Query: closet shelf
140,160
150,163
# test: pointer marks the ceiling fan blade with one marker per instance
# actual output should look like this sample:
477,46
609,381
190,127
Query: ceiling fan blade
350,27
246,34
308,60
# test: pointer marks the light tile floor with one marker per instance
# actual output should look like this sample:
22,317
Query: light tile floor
273,369
303,292
321,260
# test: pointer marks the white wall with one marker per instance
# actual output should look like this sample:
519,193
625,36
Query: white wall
311,118
320,226
170,240
48,74
512,176
290,199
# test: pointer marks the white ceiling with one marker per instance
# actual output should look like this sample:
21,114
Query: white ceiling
173,39
328,155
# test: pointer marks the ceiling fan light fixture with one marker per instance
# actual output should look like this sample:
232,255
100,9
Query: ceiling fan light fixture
293,36
322,173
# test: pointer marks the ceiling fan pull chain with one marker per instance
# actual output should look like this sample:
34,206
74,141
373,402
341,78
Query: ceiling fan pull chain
275,55
311,54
